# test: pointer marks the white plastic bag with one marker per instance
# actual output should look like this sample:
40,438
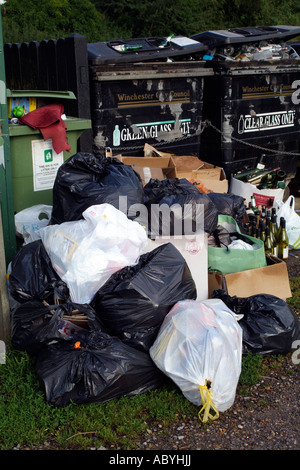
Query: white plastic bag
30,220
85,253
199,346
292,220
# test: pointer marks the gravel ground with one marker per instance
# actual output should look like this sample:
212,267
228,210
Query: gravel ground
268,418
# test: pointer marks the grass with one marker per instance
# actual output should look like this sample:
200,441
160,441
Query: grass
294,301
27,419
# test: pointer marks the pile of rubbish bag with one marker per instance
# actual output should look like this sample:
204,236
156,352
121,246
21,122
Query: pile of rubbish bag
105,314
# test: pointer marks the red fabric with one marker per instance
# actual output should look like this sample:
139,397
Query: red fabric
48,120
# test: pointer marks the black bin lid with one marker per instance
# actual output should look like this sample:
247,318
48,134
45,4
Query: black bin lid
142,49
248,34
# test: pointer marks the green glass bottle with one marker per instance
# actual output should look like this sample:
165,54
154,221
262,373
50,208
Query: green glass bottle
262,227
283,241
272,225
267,242
253,227
279,229
254,206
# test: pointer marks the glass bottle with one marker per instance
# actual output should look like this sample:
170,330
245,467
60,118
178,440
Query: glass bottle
249,211
253,205
261,163
263,212
267,242
253,227
262,227
166,41
279,229
283,241
272,225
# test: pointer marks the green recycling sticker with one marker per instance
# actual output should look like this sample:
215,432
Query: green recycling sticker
48,155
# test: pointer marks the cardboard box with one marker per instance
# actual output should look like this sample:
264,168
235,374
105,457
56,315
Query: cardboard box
151,167
262,196
272,279
194,251
211,176
192,168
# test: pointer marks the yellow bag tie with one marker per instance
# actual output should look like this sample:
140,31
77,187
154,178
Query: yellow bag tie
207,405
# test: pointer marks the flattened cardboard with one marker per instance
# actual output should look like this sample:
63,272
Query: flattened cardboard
146,173
191,167
272,279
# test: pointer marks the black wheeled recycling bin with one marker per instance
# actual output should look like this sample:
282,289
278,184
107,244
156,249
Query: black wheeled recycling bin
140,96
251,101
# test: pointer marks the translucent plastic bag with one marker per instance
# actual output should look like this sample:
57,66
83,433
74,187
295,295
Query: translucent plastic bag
292,219
199,346
85,253
30,220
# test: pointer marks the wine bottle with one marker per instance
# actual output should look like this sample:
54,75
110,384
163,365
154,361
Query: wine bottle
253,227
249,211
268,242
166,41
272,225
279,229
243,175
283,241
253,205
262,227
127,47
261,163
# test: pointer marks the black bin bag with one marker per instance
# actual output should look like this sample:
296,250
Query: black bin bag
85,180
94,368
135,300
191,209
35,323
230,204
269,325
33,277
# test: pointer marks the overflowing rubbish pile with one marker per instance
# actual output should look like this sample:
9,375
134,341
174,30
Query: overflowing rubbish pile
107,312
259,51
246,44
